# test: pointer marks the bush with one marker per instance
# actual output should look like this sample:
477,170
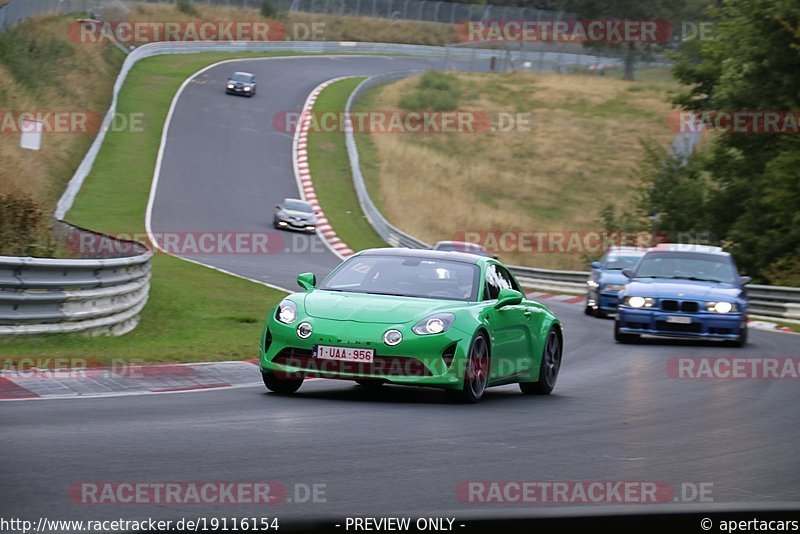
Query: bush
267,10
186,7
24,230
436,91
20,48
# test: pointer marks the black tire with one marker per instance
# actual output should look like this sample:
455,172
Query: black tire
619,337
283,386
476,374
588,310
548,370
369,383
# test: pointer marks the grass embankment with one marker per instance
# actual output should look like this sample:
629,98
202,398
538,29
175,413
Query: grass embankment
194,313
311,26
42,71
330,170
579,156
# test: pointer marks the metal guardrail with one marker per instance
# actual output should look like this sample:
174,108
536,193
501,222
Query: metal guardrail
388,232
100,295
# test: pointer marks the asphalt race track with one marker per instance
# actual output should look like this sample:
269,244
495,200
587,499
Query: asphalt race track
225,166
616,414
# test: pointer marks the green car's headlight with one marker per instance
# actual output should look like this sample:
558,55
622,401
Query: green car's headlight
721,307
435,324
287,312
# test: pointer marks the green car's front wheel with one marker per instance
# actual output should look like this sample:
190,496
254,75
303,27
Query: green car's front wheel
548,369
281,384
476,375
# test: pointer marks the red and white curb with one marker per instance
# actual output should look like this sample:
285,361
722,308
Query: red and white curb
572,299
303,174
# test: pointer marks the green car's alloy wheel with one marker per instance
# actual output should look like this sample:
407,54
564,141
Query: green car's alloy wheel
548,370
477,374
281,384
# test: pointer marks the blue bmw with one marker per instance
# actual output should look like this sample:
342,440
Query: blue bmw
688,291
606,279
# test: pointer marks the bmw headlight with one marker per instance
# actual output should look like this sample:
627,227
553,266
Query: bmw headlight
639,302
287,312
435,324
246,88
720,307
613,287
230,86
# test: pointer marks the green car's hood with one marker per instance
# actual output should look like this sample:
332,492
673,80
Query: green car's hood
372,308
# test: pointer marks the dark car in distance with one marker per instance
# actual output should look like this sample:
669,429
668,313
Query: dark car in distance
241,83
295,214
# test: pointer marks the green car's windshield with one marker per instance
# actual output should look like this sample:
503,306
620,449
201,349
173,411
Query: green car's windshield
687,266
406,276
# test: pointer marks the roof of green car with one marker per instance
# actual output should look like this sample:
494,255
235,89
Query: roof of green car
463,257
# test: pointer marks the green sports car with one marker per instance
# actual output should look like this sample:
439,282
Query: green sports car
418,317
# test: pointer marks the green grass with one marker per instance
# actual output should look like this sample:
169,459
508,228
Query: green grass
330,170
194,313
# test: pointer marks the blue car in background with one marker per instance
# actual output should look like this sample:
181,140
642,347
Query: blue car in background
688,291
606,279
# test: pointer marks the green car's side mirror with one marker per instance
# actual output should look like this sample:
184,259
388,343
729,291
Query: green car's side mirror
307,280
507,297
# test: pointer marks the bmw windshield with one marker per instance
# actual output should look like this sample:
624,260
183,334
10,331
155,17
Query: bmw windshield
687,266
406,276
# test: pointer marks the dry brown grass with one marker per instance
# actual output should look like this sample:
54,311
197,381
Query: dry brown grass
579,157
298,25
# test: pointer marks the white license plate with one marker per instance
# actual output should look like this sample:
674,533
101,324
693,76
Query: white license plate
344,354
678,319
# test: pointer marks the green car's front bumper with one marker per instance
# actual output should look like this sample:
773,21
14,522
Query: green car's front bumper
423,360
